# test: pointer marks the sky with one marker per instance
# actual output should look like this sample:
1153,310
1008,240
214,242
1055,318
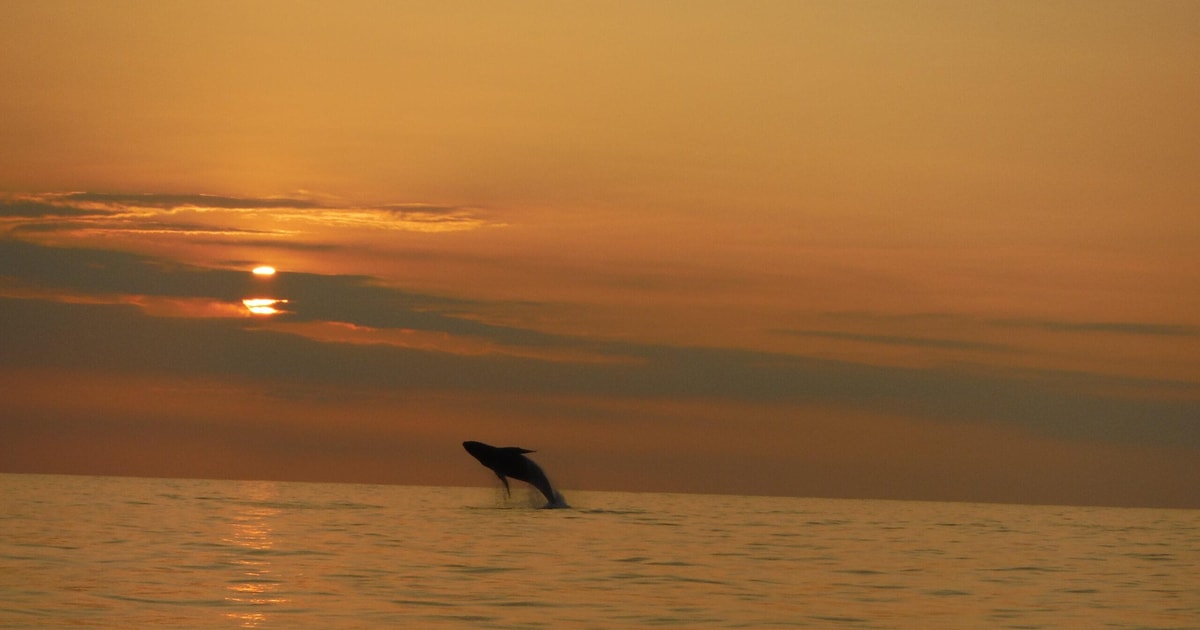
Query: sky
900,250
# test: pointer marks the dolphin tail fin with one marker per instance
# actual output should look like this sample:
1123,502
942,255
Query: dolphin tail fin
558,501
552,496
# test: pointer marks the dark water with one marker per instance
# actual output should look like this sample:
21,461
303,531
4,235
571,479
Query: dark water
104,552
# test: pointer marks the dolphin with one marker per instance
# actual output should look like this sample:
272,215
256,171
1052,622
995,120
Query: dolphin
510,461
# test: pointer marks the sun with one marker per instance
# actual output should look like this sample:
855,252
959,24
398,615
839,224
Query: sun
264,271
263,306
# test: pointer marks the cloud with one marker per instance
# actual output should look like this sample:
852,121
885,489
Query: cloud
896,340
1118,328
122,339
281,216
1158,329
159,200
290,245
350,299
21,208
112,225
1069,404
72,334
108,272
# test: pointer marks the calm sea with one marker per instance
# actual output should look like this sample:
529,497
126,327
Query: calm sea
108,552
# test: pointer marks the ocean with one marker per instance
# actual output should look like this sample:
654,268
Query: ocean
112,552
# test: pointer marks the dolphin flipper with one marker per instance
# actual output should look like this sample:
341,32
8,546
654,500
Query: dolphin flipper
504,480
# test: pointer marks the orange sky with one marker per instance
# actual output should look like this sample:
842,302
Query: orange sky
793,248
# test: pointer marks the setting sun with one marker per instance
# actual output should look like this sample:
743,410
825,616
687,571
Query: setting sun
262,306
264,271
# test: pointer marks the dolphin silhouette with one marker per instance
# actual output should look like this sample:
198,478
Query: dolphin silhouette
510,461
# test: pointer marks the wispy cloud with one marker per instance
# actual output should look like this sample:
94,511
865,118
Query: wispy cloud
898,340
1159,329
160,200
391,338
29,209
200,215
107,224
292,245
1117,328
123,339
356,300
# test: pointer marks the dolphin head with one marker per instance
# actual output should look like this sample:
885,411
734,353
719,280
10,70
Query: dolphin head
479,450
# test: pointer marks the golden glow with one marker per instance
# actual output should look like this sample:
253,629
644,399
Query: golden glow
264,271
1004,187
263,306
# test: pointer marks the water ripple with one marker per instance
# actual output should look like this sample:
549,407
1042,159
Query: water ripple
116,553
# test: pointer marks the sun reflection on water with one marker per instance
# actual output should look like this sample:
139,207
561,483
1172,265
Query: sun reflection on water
254,587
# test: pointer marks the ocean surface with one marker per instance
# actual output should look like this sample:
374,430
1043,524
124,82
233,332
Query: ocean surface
110,552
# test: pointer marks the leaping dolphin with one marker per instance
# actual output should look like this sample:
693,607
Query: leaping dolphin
510,461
